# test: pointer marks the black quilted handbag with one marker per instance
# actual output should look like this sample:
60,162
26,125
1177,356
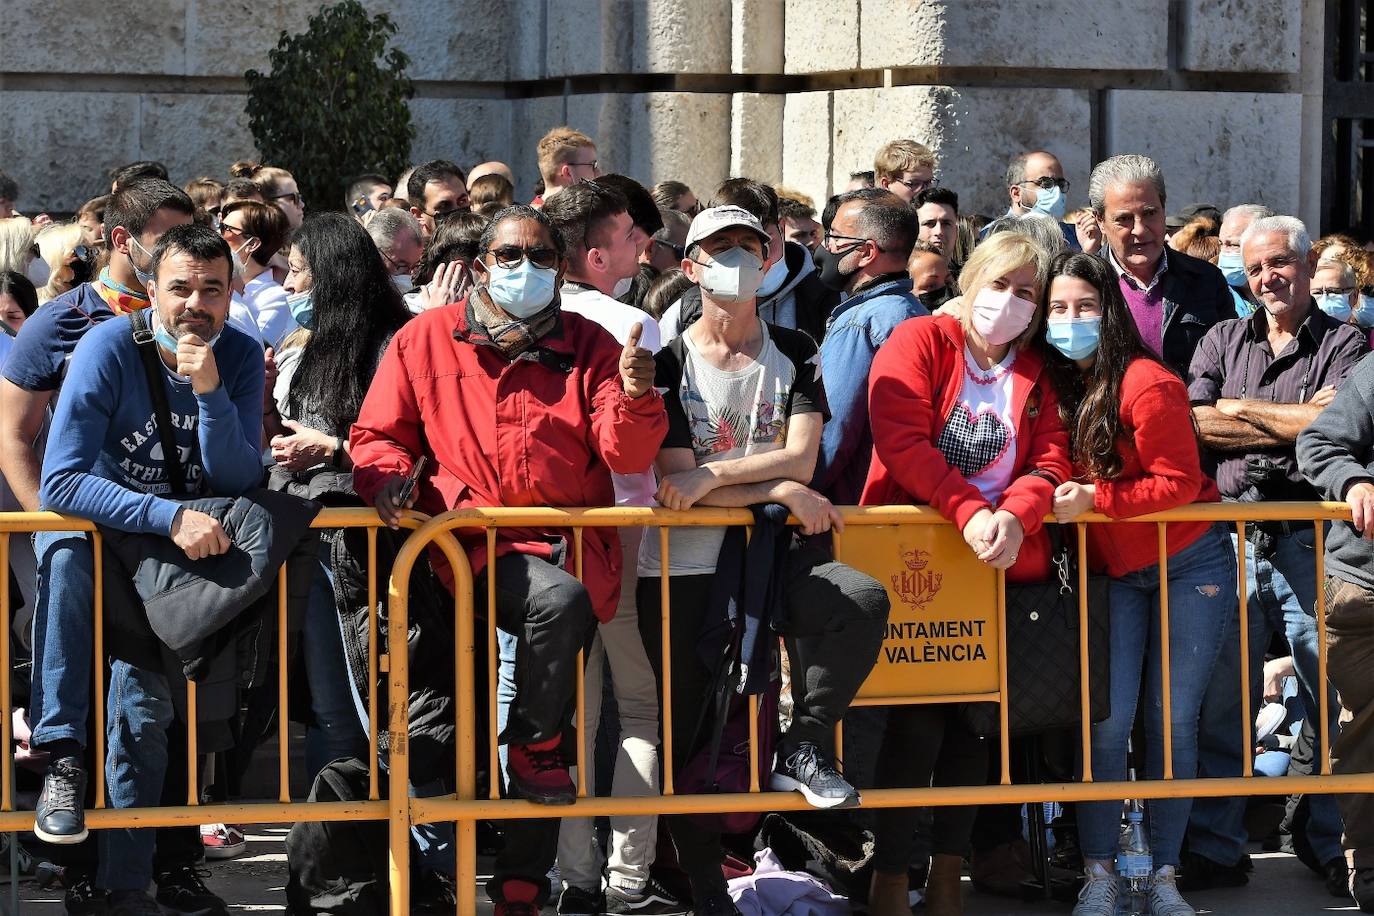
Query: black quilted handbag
1042,651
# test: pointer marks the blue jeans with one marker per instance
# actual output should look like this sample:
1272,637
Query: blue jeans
1281,598
1202,598
336,731
63,637
139,712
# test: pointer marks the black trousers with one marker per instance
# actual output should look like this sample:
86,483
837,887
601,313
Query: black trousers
838,617
550,614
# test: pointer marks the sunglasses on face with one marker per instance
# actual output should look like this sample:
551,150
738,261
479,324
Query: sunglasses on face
509,256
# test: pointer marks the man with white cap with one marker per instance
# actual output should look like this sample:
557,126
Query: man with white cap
745,409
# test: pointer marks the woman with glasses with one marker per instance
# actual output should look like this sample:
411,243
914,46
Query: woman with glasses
255,233
964,421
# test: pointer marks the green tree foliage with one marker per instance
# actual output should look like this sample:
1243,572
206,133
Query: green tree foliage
334,104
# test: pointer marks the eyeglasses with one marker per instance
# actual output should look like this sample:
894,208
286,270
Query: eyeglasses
294,197
85,252
1045,182
916,184
226,228
399,266
678,251
831,237
592,164
1330,290
509,256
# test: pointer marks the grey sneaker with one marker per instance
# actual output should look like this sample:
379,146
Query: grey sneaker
653,900
1165,900
807,770
60,817
1098,896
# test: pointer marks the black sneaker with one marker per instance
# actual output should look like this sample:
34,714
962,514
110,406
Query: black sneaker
133,903
60,817
433,892
1336,874
1198,873
82,897
577,901
1362,888
718,905
653,900
808,771
182,890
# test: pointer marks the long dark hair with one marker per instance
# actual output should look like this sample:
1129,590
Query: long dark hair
357,309
1090,402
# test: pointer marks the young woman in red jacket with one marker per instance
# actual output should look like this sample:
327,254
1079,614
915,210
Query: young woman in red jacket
964,419
1130,428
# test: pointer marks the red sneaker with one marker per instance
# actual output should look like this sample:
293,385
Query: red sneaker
518,898
223,841
538,773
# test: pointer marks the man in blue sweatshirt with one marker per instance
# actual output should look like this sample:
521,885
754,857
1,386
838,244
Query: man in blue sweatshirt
105,463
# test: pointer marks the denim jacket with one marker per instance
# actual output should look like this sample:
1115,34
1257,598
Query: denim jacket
858,327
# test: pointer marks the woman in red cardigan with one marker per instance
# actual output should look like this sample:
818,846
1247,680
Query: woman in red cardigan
964,419
1130,428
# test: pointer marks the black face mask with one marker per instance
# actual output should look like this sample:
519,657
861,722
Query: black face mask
831,276
935,298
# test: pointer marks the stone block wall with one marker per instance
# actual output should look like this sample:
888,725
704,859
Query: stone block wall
801,91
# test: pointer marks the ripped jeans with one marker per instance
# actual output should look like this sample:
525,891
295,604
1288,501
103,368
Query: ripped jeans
1202,603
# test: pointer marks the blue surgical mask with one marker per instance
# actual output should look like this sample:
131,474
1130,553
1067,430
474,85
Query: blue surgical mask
774,278
1364,312
302,307
1076,338
163,335
522,290
1050,201
1232,268
144,276
1335,305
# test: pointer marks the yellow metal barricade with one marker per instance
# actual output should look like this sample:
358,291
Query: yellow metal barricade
945,643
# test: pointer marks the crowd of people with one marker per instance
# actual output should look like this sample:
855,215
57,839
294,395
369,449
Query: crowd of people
431,344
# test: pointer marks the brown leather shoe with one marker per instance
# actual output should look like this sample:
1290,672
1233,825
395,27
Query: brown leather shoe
889,895
944,896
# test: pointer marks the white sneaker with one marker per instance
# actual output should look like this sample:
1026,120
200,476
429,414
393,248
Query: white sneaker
1165,899
1098,896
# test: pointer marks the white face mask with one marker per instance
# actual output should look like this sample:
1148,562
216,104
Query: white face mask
622,286
732,276
403,282
38,272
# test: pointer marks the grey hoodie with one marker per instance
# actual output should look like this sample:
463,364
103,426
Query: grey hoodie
1336,452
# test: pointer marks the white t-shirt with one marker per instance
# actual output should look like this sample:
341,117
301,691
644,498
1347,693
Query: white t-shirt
241,318
617,318
720,415
979,436
267,299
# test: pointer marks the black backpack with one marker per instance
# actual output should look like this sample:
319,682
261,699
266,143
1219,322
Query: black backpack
339,868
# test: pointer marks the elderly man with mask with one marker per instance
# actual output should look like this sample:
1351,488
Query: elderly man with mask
1234,222
1256,383
515,401
1173,298
745,410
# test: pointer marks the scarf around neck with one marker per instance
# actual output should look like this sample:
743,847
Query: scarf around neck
512,336
117,296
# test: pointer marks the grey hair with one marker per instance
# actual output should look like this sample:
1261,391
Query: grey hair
1122,170
1042,230
1346,272
1254,211
388,223
1299,242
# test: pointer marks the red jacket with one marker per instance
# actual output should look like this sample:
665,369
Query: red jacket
1160,470
913,385
546,429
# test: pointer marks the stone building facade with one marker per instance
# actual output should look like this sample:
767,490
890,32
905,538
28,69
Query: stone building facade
1226,94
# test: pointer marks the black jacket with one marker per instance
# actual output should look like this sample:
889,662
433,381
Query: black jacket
1195,298
814,300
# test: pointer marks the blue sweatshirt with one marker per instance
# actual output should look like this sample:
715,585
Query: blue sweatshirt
104,457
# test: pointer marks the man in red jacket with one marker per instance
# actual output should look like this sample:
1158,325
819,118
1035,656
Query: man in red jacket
515,402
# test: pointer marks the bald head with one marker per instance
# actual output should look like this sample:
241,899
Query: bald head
490,168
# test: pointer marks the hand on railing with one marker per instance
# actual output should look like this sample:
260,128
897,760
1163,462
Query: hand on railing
995,537
198,534
1072,499
387,502
816,513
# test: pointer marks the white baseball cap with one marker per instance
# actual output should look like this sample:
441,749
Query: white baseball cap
713,219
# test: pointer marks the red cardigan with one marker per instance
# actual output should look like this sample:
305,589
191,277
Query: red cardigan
1160,470
914,383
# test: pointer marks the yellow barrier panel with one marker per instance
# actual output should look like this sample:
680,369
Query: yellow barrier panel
912,550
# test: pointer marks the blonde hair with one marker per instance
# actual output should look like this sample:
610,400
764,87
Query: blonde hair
16,238
898,156
558,146
268,178
783,191
999,255
55,245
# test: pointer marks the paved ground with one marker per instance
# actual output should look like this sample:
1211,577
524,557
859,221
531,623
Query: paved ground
254,884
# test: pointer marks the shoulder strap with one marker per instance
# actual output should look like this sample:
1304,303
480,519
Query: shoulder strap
157,388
